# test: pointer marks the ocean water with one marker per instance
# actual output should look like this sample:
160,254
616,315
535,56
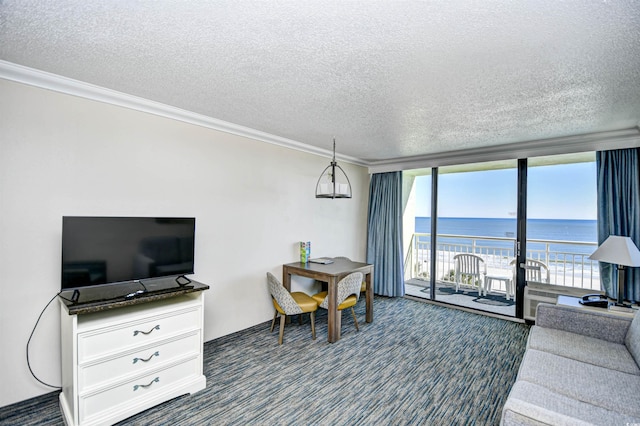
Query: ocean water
564,230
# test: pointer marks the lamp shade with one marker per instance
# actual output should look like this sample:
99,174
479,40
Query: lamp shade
618,250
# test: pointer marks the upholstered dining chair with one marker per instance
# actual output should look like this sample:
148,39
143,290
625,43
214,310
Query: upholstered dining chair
347,297
470,270
285,303
363,287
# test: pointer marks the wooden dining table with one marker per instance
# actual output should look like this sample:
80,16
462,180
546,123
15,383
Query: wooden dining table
332,273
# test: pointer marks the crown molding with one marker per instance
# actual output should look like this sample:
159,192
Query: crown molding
57,83
615,139
625,138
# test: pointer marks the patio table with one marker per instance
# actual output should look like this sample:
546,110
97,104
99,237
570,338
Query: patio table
508,284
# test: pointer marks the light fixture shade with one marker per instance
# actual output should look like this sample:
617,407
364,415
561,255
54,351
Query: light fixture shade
618,250
333,182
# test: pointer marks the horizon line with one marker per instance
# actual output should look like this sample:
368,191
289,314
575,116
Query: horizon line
513,218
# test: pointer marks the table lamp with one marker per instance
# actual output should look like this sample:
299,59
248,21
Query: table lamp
622,252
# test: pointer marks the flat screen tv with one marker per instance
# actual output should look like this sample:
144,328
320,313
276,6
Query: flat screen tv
108,250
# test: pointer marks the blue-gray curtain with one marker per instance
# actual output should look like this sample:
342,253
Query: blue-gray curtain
619,212
384,233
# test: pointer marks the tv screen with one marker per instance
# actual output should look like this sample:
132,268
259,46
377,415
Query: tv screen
106,250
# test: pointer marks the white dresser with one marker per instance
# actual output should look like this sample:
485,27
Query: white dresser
119,362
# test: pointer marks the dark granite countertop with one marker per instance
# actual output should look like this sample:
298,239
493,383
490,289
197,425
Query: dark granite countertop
111,296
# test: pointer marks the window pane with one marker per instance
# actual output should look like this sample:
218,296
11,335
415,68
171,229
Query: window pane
477,206
561,220
417,228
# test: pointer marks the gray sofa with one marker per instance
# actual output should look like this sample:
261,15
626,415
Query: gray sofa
580,367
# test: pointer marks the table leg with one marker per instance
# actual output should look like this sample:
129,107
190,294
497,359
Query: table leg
286,279
332,313
286,283
369,296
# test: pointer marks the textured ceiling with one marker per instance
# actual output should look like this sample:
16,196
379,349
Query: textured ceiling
390,79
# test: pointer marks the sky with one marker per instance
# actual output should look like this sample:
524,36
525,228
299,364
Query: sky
566,191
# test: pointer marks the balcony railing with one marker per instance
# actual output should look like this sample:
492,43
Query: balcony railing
567,261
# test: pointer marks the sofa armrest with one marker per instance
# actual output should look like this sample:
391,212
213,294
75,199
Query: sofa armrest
601,325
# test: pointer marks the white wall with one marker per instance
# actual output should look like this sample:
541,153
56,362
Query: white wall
64,155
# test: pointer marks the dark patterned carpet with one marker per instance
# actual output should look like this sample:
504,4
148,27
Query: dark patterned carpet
415,364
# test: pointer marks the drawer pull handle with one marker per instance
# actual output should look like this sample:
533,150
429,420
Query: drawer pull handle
157,327
135,387
136,359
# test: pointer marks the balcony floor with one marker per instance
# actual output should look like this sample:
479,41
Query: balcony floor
494,302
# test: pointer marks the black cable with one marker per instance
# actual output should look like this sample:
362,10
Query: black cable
29,341
64,298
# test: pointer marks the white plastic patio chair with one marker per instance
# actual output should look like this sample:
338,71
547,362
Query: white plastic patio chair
535,271
470,270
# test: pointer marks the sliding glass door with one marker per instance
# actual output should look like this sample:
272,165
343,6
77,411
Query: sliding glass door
476,231
562,224
479,233
417,228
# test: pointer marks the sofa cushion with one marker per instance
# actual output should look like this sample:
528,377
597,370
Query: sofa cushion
632,340
601,325
582,348
609,389
533,404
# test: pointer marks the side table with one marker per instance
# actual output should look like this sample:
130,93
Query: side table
508,284
575,302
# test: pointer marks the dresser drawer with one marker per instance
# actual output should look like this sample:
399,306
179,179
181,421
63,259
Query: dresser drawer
128,335
96,405
138,361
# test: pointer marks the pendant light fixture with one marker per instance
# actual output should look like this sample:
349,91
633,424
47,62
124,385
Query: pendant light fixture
333,182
